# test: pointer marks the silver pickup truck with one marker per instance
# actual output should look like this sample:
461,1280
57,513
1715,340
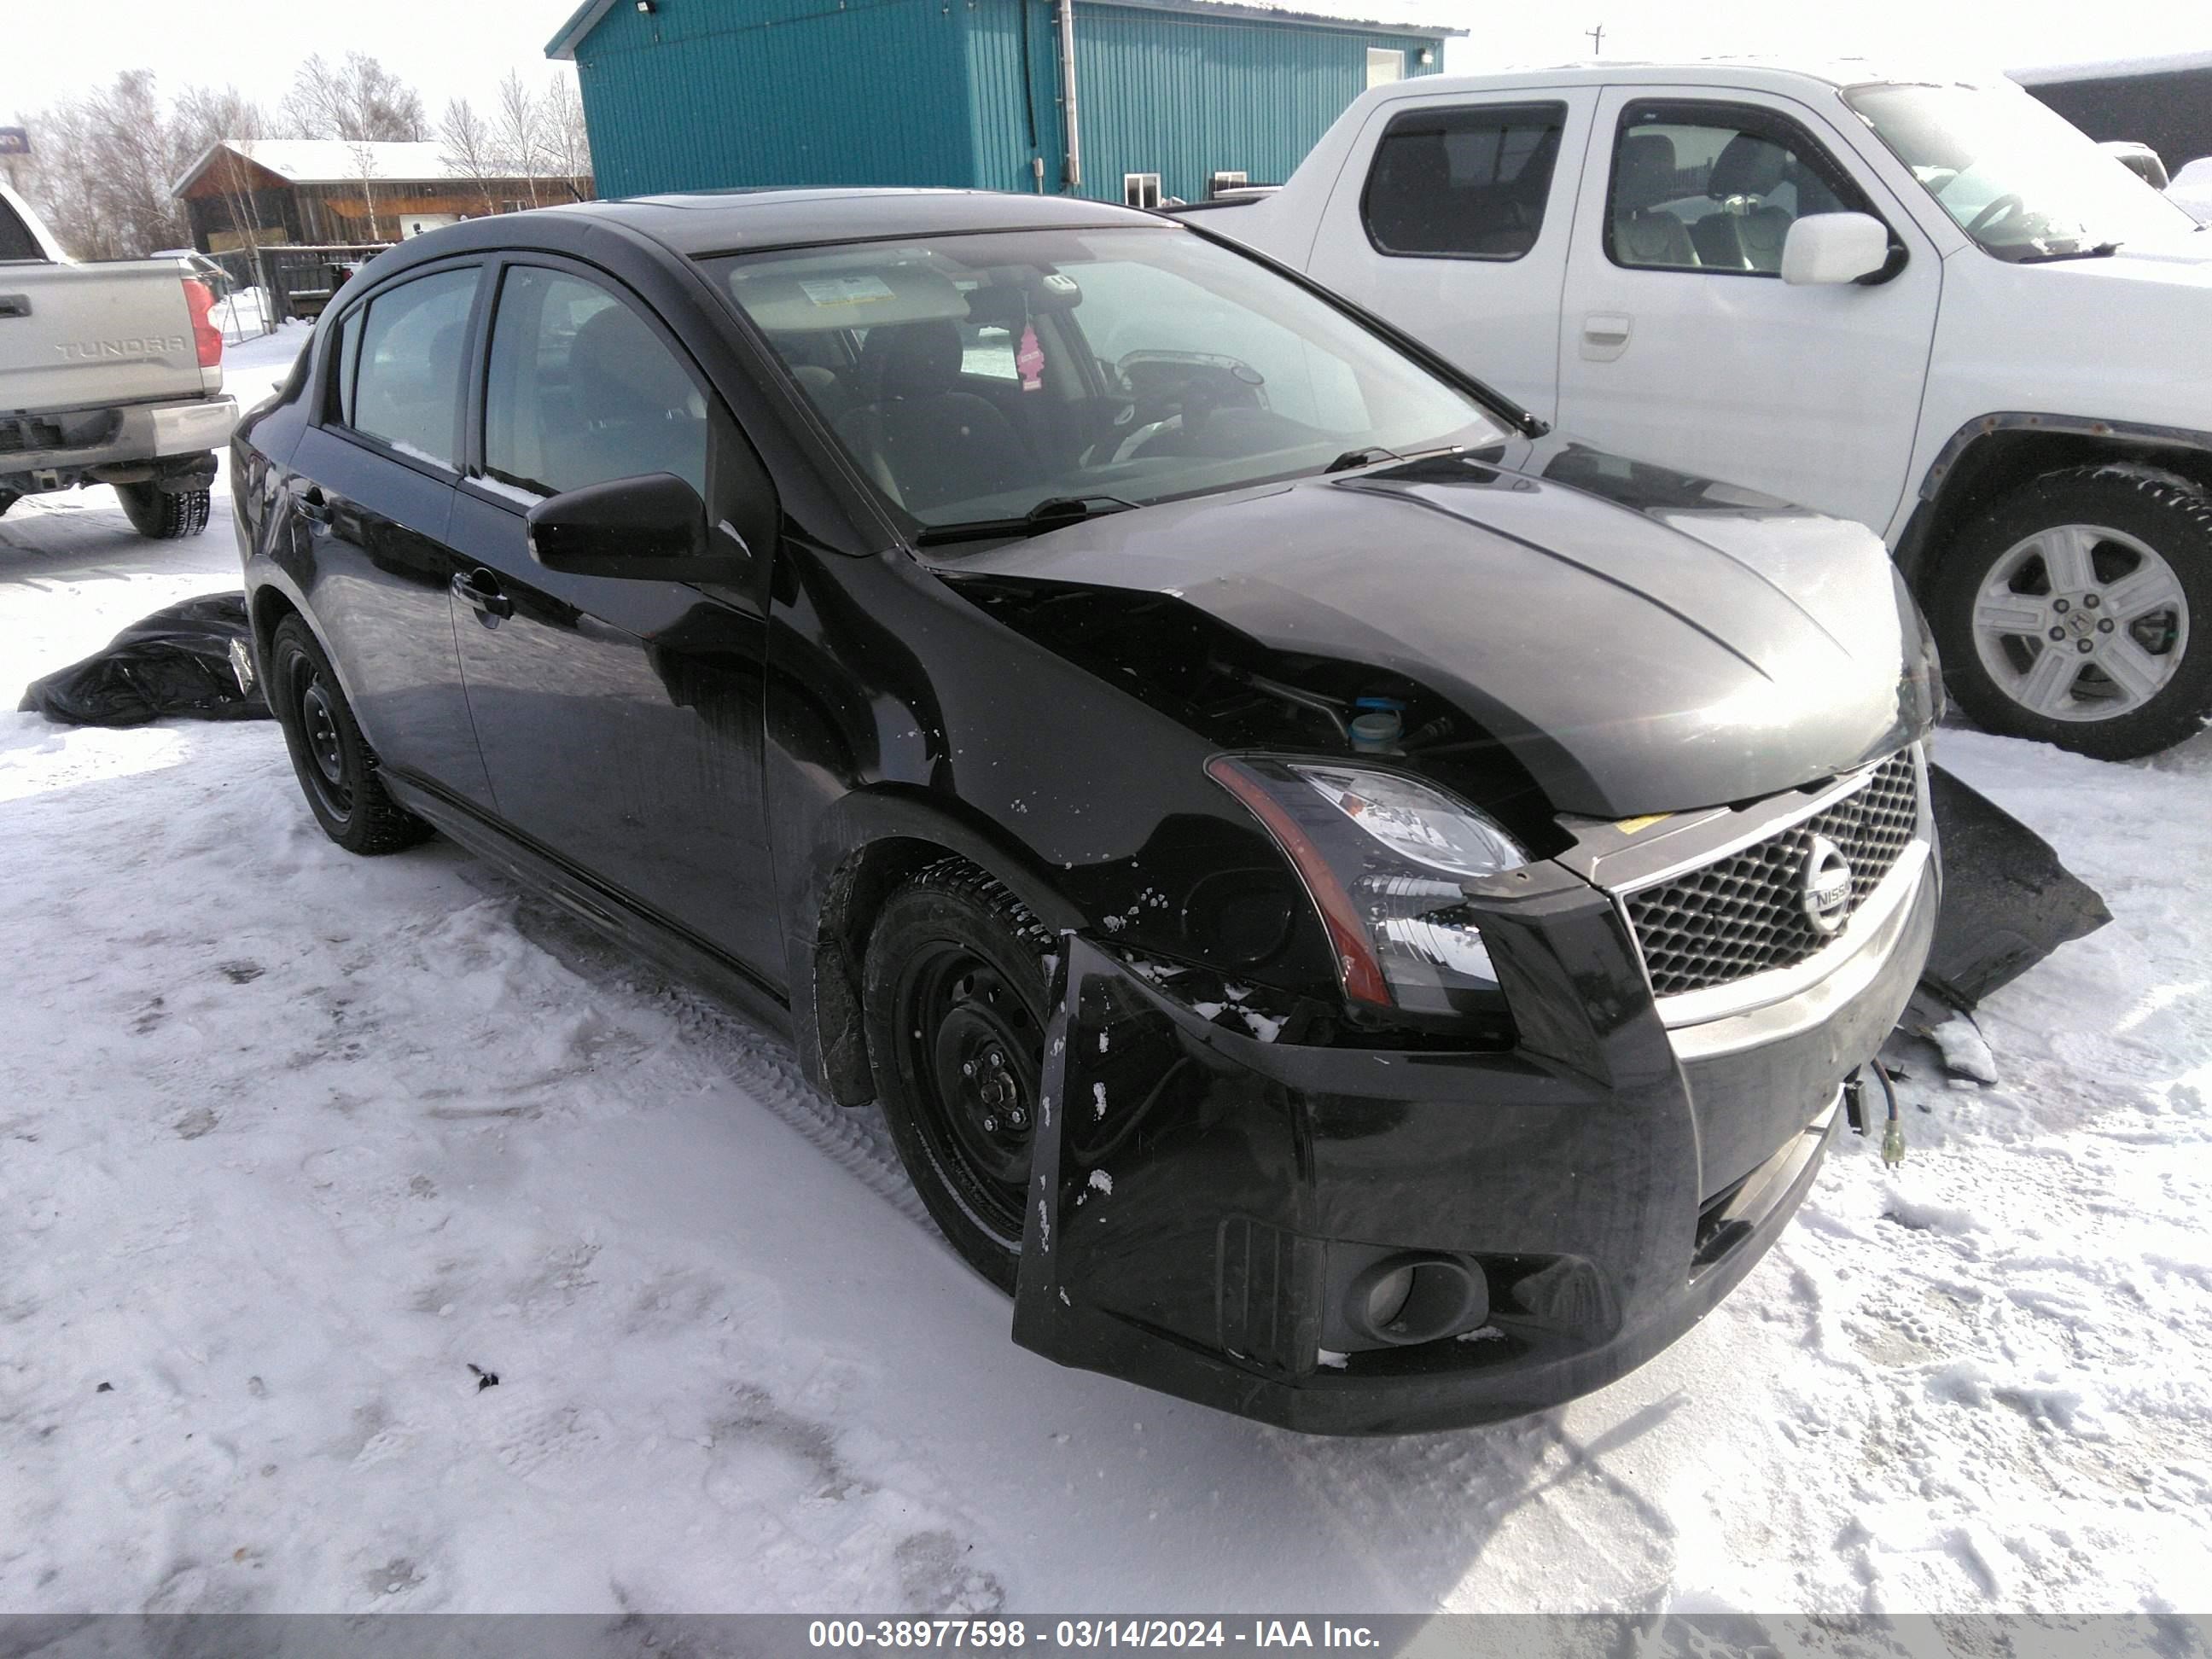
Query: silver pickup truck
110,373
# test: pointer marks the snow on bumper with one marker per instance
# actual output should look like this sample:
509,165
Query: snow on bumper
1252,1187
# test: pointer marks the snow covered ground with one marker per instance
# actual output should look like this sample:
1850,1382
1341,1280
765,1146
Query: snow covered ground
290,1142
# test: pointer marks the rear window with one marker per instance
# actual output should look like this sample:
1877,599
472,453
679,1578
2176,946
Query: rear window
1468,184
16,241
405,384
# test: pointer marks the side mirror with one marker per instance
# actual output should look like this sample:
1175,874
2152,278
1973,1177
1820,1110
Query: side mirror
652,528
1834,247
2139,159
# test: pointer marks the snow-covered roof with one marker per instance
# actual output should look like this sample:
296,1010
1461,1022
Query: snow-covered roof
332,161
1420,17
2112,69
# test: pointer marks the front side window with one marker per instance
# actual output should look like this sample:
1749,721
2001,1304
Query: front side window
2014,175
1147,364
1468,184
1715,188
582,391
402,384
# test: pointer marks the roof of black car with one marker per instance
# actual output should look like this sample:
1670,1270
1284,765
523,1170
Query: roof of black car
732,221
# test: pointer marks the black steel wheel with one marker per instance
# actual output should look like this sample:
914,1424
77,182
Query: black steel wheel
164,515
954,1002
336,768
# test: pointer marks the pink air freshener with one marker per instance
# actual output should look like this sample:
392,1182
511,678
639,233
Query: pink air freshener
1029,360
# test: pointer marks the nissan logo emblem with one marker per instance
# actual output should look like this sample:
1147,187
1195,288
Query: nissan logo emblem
1827,884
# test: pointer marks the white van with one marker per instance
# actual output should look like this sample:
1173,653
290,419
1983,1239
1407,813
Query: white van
1931,305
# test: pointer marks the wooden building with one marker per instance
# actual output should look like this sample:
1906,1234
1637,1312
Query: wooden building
268,192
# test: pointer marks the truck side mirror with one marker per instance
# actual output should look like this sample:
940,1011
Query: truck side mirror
652,528
1834,247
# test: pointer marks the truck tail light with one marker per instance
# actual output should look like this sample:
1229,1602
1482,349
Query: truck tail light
199,300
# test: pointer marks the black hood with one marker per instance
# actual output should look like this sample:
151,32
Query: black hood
1642,641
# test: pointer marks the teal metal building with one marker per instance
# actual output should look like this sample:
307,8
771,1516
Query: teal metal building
1166,94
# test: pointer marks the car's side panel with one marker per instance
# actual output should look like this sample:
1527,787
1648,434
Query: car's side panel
1496,316
365,544
1809,393
620,724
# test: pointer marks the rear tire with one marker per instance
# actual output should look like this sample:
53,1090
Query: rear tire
954,1002
2116,563
337,769
161,515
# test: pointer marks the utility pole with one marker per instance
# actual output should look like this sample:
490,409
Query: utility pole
1596,39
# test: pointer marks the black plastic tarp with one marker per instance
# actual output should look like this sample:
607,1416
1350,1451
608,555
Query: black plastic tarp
178,661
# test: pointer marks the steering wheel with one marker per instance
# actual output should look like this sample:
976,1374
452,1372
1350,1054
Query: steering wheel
2004,207
1199,400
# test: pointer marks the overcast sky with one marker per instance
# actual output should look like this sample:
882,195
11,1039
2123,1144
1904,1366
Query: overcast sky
450,47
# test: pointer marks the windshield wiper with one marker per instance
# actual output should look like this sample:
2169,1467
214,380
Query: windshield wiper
1366,457
2100,250
1054,513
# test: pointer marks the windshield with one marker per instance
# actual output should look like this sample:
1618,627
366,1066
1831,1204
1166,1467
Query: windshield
2015,176
975,377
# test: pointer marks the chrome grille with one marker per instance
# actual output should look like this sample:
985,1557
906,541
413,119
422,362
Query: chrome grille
1743,913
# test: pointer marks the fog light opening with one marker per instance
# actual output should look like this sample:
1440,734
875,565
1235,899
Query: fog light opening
1405,1298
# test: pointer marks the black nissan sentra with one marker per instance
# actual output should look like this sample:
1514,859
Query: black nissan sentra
1357,910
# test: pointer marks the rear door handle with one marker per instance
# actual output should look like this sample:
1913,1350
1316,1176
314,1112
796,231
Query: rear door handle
14,305
1605,335
479,588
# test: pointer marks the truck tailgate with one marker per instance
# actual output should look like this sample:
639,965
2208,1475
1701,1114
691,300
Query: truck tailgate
76,337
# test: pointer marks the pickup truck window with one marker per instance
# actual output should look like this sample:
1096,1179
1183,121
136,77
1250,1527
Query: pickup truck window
16,241
412,362
1715,187
2013,175
582,391
1462,183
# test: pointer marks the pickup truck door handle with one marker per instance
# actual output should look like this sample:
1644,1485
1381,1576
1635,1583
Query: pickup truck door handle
14,305
1605,335
479,588
313,508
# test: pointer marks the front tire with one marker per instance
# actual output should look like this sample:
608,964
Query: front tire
161,515
2078,611
953,997
337,769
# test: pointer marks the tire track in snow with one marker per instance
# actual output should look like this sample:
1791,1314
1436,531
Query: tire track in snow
714,1045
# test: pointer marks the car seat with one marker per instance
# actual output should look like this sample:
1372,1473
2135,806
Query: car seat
935,442
1645,234
1750,169
636,410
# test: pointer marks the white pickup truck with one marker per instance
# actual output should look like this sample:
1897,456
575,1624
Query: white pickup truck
1930,306
110,373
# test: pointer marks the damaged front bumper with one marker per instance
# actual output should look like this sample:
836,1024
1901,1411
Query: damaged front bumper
1209,1210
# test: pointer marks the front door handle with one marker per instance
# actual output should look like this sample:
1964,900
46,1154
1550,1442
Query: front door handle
1605,335
14,305
313,508
480,589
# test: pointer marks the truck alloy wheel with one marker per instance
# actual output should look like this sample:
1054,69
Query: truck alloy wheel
2066,614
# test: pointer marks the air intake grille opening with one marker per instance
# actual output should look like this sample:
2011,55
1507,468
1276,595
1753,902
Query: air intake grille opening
1744,912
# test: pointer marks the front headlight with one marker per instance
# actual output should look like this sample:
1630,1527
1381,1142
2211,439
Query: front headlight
1382,857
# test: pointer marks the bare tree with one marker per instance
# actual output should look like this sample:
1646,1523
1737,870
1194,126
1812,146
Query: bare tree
468,147
568,142
359,100
205,117
519,129
103,168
